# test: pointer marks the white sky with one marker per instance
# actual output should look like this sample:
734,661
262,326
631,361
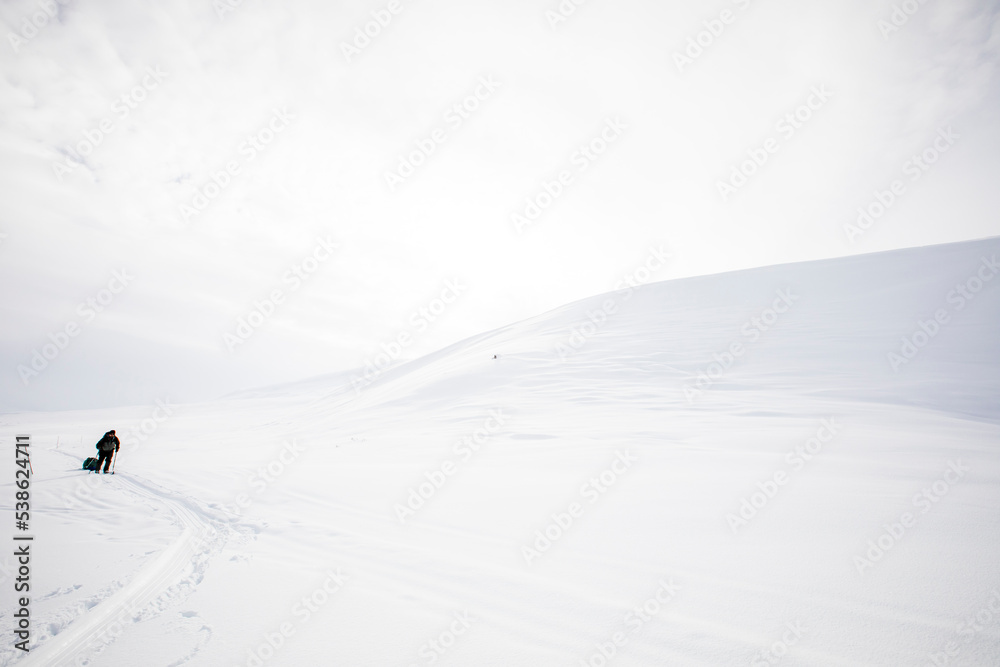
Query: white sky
324,174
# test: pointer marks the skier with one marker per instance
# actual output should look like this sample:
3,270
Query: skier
107,446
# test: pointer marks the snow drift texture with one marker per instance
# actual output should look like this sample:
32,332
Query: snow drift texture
792,465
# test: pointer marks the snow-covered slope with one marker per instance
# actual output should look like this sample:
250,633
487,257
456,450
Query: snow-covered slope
749,468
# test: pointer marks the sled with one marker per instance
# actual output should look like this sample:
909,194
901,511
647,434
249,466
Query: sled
90,463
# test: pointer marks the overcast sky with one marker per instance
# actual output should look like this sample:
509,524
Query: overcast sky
179,162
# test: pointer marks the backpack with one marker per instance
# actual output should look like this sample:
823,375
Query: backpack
107,443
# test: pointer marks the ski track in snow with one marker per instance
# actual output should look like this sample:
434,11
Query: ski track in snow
170,575
624,388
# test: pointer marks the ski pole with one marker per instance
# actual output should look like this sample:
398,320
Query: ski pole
114,459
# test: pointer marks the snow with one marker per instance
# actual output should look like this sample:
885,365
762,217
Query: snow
264,528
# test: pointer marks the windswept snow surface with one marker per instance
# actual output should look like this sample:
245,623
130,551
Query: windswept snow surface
583,499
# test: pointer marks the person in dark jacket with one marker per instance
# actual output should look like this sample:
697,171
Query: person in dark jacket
107,446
